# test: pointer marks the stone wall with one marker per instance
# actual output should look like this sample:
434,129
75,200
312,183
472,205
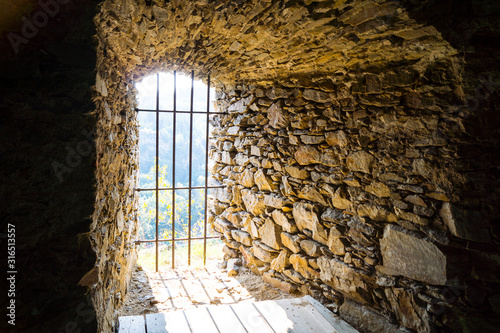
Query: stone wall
114,224
356,132
354,193
348,149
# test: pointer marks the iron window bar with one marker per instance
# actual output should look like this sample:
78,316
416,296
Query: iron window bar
157,189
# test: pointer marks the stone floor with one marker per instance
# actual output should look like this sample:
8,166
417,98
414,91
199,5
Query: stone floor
186,287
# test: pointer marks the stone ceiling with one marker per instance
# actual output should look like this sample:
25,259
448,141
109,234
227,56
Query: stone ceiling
266,41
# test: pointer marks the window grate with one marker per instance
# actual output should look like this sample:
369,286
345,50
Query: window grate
157,188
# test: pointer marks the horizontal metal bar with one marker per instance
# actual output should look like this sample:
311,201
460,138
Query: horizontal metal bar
176,239
179,188
177,111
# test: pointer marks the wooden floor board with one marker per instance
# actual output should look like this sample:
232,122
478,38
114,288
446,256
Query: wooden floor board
338,324
252,320
226,319
297,315
307,316
131,324
200,321
277,317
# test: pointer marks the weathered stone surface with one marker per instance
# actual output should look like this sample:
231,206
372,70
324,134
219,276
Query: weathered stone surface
336,243
246,178
307,155
253,203
280,218
329,158
411,217
270,234
311,247
250,226
230,252
312,194
278,118
316,95
275,200
281,262
284,286
263,182
263,252
376,213
339,200
360,161
347,280
249,257
412,257
301,265
365,319
292,242
233,267
332,215
409,313
242,237
379,189
338,138
241,105
464,224
306,218
312,139
297,172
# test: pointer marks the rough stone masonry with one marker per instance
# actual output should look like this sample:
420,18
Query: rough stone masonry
355,169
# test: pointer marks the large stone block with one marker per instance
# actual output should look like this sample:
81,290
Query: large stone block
360,161
412,257
280,218
278,118
270,234
301,265
292,242
312,194
253,202
264,183
340,276
307,155
306,218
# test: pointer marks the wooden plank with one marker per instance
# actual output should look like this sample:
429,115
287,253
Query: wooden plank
167,322
305,316
155,323
225,319
200,321
131,324
339,325
252,320
277,317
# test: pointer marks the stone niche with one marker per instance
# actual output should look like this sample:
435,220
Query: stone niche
355,170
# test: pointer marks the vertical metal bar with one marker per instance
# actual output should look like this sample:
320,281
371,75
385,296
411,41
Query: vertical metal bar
206,176
157,163
173,169
190,165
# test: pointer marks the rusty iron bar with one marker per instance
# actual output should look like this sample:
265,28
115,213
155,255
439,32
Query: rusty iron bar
157,164
175,240
190,166
190,187
207,135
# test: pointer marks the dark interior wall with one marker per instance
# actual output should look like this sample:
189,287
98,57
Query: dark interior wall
47,159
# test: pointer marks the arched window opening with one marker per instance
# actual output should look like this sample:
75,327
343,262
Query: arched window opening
174,113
